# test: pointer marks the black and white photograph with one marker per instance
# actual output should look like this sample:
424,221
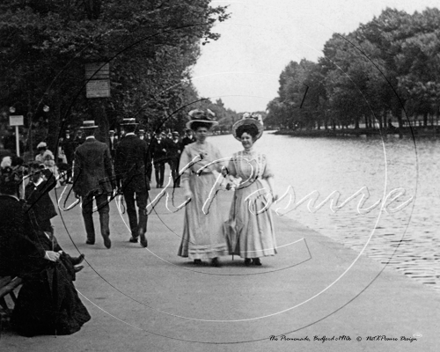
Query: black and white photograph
202,175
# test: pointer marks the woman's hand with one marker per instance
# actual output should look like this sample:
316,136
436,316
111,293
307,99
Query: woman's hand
52,256
188,195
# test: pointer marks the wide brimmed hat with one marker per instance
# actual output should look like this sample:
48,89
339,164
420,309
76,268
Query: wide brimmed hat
41,145
249,119
129,122
11,174
201,116
88,124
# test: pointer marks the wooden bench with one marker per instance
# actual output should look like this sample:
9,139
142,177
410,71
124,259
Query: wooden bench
7,287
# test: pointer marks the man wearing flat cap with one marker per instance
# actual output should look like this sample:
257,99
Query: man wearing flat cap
131,165
94,178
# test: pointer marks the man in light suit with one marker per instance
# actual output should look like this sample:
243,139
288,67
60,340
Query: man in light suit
94,178
131,161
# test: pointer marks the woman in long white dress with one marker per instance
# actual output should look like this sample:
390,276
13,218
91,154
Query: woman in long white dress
202,236
250,230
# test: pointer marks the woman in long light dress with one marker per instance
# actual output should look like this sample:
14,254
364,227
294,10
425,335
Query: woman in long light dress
250,230
202,236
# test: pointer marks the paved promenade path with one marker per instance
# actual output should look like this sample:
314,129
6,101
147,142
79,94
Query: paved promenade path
152,300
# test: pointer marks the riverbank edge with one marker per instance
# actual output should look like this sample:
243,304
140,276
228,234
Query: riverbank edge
407,132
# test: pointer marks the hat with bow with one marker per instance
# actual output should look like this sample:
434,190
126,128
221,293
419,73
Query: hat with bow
198,115
249,119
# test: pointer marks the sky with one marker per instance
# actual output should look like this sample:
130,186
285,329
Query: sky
262,37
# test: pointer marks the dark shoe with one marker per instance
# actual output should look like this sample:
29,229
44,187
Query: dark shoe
144,242
90,242
197,261
107,242
215,262
78,268
256,261
133,240
78,260
247,261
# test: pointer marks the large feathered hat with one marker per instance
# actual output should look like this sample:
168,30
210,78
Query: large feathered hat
249,119
201,116
11,174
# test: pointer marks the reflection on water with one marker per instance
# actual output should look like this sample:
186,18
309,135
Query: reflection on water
406,240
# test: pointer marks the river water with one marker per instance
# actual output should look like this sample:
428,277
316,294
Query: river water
397,224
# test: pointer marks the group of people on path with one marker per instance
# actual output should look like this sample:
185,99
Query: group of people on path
162,148
49,272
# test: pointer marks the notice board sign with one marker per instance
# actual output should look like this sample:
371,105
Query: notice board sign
98,80
97,70
16,120
98,88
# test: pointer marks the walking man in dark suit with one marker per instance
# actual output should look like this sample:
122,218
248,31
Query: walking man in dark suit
159,151
113,142
94,178
131,163
147,140
174,152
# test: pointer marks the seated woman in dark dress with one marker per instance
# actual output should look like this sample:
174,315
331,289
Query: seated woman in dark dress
48,302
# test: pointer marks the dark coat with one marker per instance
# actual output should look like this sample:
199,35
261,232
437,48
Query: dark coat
186,140
69,149
132,158
40,207
159,150
174,149
113,145
16,250
93,169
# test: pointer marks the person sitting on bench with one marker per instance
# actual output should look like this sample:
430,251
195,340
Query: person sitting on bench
48,302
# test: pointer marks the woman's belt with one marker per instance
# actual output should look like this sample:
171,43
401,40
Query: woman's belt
202,172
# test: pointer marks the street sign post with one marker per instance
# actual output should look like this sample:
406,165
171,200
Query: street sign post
16,120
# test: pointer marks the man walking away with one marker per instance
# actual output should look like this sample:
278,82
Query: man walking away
93,178
131,166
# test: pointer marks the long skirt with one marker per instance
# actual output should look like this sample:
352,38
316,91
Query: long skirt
48,304
250,231
202,236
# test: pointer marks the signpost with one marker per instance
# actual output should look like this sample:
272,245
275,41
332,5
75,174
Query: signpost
16,120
